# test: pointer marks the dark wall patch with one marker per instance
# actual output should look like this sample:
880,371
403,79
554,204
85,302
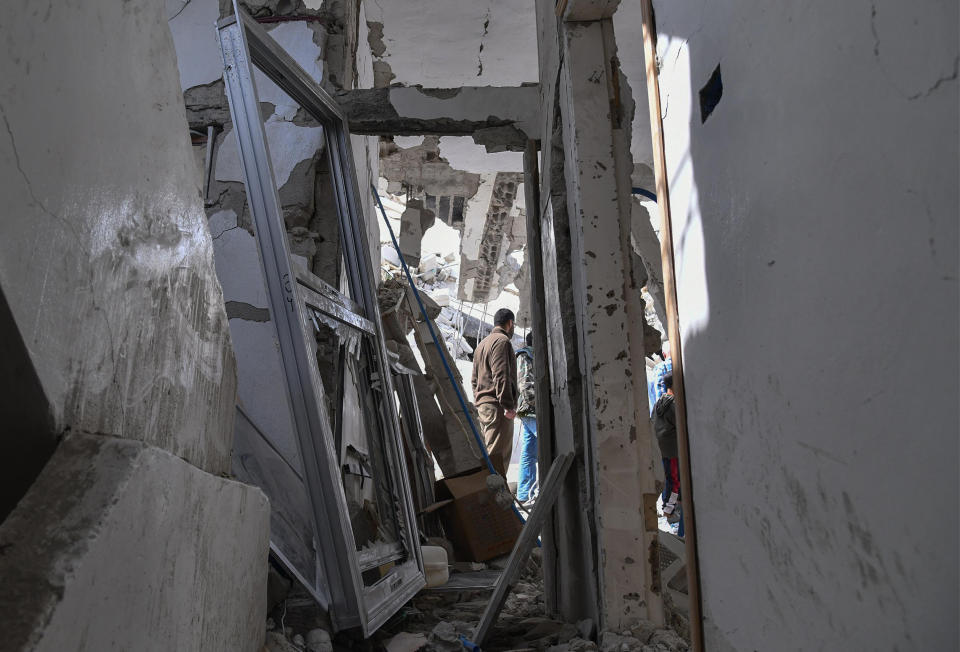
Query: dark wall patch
710,94
240,310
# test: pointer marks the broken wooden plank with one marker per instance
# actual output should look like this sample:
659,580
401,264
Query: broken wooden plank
465,454
524,544
673,320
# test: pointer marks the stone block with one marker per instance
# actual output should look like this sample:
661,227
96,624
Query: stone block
123,546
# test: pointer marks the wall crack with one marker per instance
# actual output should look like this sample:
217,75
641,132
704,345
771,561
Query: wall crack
486,30
939,82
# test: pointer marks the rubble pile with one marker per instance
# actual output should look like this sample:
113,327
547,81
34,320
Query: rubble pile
436,280
434,621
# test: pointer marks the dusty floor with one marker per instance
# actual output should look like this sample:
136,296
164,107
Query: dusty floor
434,619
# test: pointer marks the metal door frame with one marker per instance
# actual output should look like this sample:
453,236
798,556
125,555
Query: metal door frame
244,44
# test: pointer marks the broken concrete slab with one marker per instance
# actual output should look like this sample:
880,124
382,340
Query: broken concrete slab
421,167
504,116
114,533
414,222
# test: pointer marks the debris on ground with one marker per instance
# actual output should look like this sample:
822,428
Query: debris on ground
406,642
439,620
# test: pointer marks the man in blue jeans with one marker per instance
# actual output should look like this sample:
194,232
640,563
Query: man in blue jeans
526,410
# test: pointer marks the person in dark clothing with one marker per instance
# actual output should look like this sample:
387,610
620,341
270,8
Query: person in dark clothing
495,391
665,429
526,487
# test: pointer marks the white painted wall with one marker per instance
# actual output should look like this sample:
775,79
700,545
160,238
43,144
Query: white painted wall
816,237
194,29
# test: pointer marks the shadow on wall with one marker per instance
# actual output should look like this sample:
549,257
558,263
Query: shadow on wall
814,206
29,436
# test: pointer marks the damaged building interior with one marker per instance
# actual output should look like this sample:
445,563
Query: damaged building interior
251,247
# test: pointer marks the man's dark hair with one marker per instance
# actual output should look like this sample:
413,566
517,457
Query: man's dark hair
502,316
668,381
529,338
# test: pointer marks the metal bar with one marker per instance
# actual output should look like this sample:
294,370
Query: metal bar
208,161
673,325
483,321
328,307
321,287
378,557
541,360
409,582
523,546
338,420
286,73
412,429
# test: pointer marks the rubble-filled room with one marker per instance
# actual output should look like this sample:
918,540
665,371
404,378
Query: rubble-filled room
479,325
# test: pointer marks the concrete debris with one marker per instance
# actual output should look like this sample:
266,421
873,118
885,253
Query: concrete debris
587,628
406,642
465,111
574,645
498,485
318,640
482,266
277,642
414,222
441,617
422,169
207,105
610,642
643,637
445,637
288,640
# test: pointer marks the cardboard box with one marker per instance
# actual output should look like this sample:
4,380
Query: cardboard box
478,527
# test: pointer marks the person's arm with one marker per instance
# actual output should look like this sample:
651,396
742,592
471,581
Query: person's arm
504,375
526,381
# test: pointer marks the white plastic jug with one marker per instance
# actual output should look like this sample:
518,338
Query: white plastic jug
435,565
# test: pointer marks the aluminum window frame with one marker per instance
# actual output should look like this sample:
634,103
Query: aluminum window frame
245,44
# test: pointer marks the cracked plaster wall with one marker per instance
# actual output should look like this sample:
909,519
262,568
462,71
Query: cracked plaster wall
470,43
815,225
104,230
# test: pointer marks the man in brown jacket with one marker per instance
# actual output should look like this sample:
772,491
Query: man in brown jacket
495,389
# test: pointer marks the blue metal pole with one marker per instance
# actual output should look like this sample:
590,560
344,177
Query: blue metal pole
436,342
